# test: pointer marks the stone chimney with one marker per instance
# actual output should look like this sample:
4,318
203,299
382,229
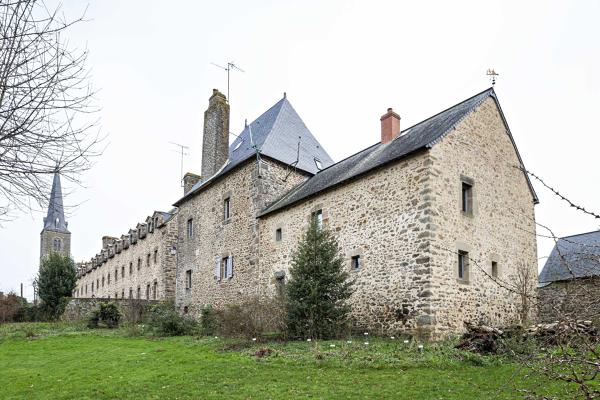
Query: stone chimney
189,180
390,126
215,143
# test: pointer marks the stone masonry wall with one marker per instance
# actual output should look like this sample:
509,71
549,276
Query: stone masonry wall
249,188
381,217
577,298
120,274
500,229
78,310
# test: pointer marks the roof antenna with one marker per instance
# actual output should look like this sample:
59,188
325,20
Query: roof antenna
181,151
492,74
295,163
230,66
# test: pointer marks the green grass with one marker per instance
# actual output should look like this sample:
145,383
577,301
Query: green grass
62,361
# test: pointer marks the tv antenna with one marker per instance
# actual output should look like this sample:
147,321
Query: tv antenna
182,152
492,74
230,67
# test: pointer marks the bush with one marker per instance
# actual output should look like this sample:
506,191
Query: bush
56,281
164,320
107,315
11,307
253,318
208,321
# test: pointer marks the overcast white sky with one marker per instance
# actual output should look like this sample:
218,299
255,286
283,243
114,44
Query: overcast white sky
342,63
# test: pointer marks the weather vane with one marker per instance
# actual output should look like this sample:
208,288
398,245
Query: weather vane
492,74
230,66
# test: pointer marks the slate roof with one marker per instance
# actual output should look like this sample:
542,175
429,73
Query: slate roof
576,256
420,136
276,133
55,218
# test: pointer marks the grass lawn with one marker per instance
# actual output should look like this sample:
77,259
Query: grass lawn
58,361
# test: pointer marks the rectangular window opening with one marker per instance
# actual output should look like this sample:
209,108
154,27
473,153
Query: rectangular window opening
467,198
190,228
463,264
355,262
317,216
188,279
278,235
226,209
494,269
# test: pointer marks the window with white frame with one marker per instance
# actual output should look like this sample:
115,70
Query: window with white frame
317,217
190,228
224,268
226,208
463,265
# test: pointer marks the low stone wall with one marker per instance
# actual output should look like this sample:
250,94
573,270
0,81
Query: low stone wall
578,298
132,309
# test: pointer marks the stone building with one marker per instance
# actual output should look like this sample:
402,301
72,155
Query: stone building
431,219
55,236
569,284
140,264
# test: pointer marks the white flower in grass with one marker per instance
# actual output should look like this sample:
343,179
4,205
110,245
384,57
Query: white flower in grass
332,345
254,339
366,333
406,341
349,341
392,337
216,337
420,347
309,340
366,343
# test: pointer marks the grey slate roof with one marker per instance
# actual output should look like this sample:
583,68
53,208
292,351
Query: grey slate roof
420,136
576,256
276,133
55,218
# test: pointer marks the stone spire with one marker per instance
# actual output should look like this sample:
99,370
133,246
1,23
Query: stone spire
55,219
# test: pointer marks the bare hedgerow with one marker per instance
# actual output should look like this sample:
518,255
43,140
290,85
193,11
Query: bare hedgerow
252,318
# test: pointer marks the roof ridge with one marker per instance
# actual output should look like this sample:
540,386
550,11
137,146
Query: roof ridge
579,234
490,89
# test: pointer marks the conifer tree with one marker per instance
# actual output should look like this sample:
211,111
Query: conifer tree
56,280
318,288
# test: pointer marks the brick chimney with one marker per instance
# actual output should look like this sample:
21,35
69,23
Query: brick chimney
390,126
189,180
215,143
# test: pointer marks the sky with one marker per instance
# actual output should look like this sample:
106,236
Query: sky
342,64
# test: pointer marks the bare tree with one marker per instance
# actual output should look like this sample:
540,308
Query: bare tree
46,110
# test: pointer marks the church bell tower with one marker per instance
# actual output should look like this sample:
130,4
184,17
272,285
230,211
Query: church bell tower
55,237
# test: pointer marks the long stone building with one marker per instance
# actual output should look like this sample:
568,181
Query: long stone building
431,219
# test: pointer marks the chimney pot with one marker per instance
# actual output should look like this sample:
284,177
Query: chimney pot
390,126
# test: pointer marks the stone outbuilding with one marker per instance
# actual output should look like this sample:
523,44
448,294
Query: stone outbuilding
569,284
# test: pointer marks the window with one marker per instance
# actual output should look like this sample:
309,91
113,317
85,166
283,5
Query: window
139,293
130,293
116,275
463,265
318,164
188,279
154,290
224,268
97,283
123,293
467,198
148,292
108,278
155,256
103,281
130,268
278,235
185,309
355,262
226,208
139,265
92,287
116,295
190,228
317,216
148,260
57,245
494,269
123,271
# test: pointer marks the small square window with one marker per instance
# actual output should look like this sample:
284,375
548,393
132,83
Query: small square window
467,198
278,235
188,279
226,208
190,228
494,269
463,265
355,262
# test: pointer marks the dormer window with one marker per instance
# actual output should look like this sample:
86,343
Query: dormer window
238,145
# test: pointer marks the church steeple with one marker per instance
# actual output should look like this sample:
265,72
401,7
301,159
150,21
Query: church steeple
55,236
55,219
